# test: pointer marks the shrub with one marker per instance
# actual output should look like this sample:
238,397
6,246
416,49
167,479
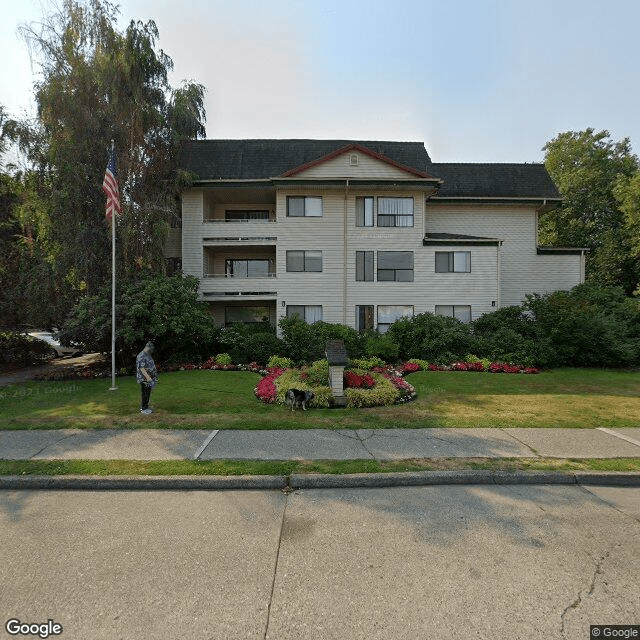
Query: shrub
354,380
423,364
292,379
430,337
251,342
305,343
266,389
279,362
588,326
384,393
165,310
17,348
511,334
367,363
318,373
223,358
382,346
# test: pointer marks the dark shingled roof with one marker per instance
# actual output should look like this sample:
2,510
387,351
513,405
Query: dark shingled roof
480,180
264,159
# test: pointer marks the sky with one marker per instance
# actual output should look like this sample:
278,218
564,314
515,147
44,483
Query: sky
475,80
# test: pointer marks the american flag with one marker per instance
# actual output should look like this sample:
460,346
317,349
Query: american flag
110,186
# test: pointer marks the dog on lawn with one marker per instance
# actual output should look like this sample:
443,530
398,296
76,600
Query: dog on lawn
298,398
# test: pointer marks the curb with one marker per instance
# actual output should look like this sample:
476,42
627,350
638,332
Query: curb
318,481
463,477
142,483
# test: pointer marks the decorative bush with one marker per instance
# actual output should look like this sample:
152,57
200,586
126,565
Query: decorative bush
279,362
223,358
367,363
19,349
266,389
384,393
410,367
353,380
318,373
292,379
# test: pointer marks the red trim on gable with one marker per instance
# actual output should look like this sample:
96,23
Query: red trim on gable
361,149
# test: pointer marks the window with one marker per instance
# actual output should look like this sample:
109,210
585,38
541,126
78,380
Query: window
388,314
453,261
308,313
304,261
395,212
364,266
364,317
231,216
248,268
246,315
364,212
304,206
395,266
460,311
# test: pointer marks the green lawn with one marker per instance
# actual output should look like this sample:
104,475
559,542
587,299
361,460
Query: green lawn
584,398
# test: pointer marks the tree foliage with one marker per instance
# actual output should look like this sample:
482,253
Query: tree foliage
100,84
164,310
588,167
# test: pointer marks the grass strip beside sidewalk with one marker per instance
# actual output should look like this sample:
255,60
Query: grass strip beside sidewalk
286,468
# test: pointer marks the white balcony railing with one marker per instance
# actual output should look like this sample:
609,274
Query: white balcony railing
240,277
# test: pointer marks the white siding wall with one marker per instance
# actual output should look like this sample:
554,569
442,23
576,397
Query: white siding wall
367,167
192,230
324,234
522,271
479,288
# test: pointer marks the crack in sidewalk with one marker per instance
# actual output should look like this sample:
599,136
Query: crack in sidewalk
52,444
535,453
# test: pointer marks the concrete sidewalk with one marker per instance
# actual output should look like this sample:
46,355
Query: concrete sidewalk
317,444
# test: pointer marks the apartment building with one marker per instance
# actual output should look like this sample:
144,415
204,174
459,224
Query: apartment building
361,233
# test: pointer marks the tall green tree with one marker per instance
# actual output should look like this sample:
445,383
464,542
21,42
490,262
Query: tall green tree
586,167
99,84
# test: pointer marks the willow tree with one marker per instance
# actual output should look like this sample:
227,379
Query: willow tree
99,84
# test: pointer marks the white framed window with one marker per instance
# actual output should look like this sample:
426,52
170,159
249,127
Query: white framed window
310,261
304,206
389,313
460,311
364,266
395,212
453,261
395,266
364,211
308,313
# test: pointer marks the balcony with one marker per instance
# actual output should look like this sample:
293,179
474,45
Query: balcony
232,271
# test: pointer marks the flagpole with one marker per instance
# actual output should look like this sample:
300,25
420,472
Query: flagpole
113,294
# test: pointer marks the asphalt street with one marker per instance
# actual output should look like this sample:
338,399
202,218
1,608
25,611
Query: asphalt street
491,562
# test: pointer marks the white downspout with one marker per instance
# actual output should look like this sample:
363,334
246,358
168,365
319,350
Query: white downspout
345,256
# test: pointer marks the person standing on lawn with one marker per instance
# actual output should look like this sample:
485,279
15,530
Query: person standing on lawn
146,375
